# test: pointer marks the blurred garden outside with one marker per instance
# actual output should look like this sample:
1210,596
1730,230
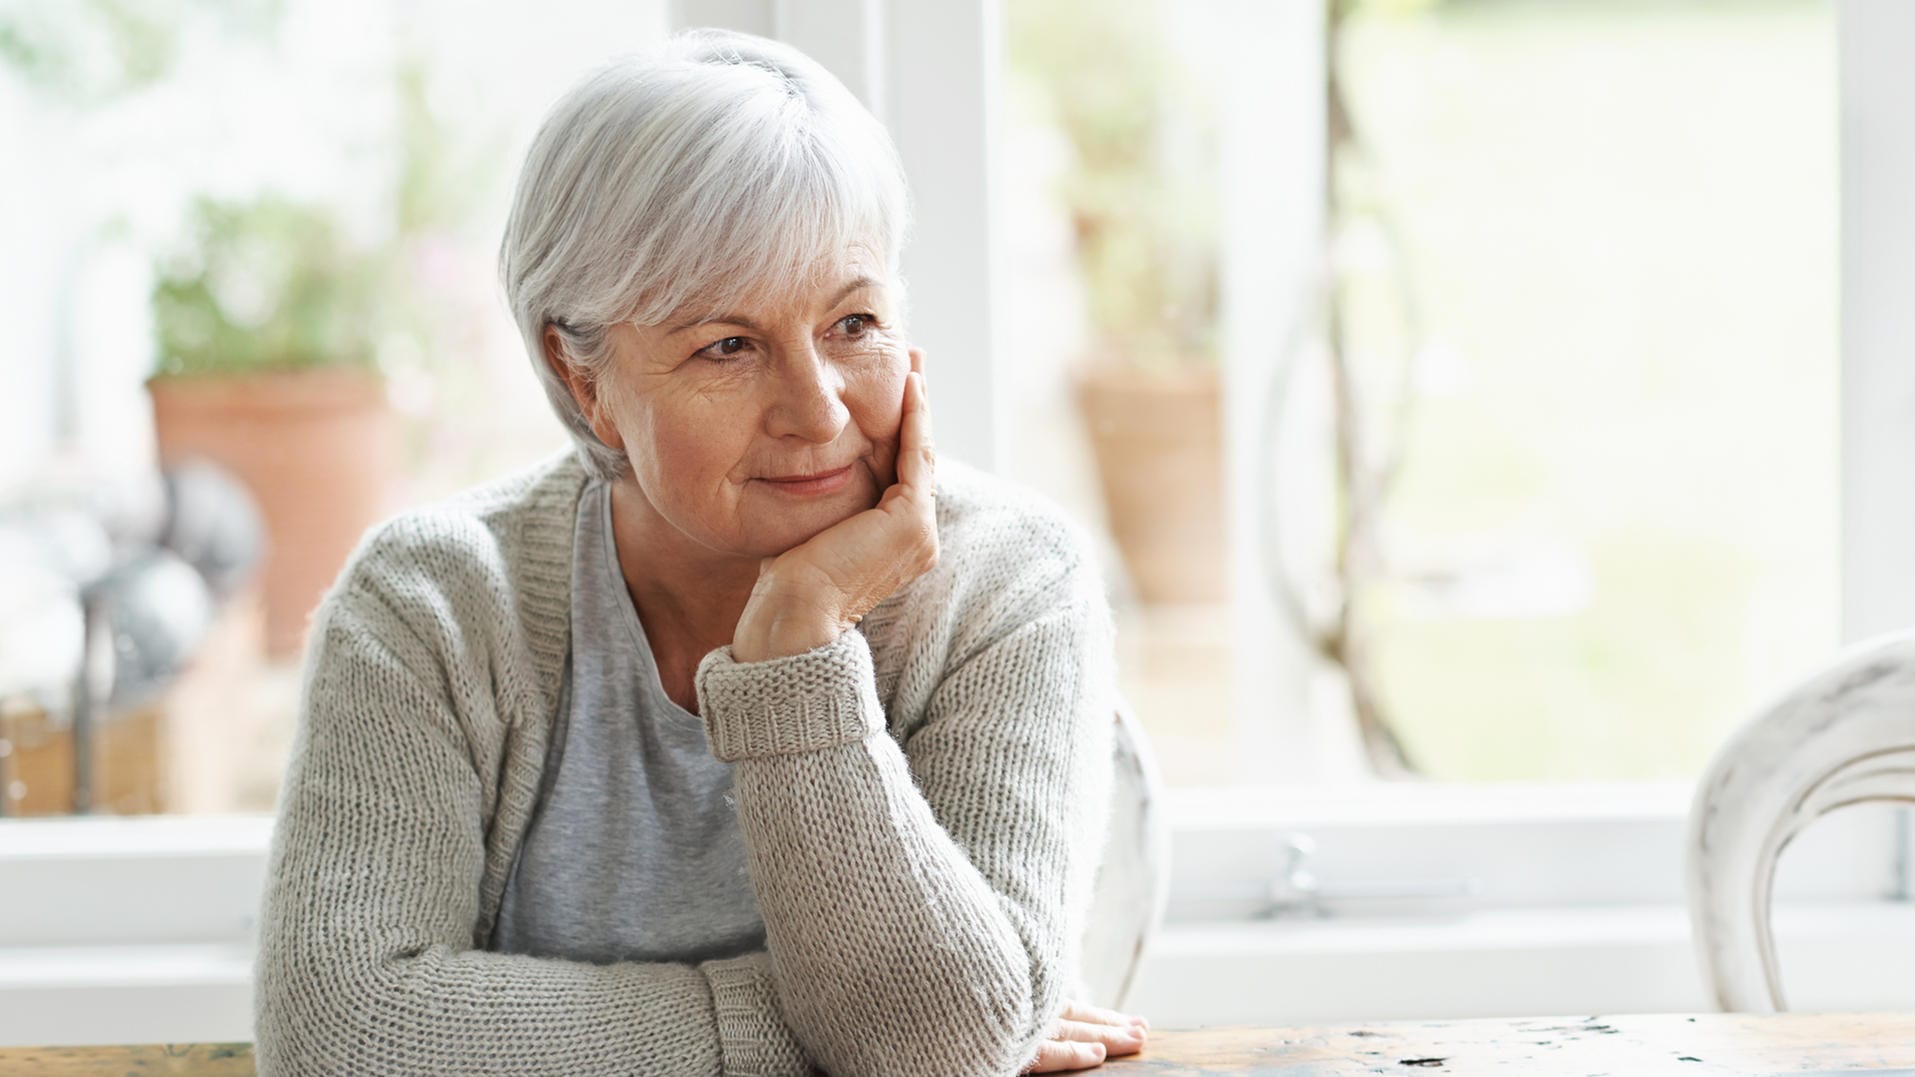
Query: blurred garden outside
1615,528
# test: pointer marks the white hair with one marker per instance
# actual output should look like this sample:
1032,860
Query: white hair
711,173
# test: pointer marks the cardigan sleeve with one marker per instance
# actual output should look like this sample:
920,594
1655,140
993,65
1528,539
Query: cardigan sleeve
366,961
923,905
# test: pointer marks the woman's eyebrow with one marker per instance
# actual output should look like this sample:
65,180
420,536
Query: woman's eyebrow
739,319
855,284
716,319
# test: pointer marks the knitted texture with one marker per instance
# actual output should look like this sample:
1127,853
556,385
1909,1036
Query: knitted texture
800,703
922,802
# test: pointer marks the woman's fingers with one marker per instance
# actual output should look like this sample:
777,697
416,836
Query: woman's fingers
837,576
1087,1031
1115,1039
917,457
1120,1033
1055,1056
1080,1012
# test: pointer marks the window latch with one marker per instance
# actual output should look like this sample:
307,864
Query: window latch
1298,893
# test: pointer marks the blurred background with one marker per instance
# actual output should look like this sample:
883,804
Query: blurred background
1457,391
1571,339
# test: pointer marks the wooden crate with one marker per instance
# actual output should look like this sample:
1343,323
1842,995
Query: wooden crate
188,751
36,769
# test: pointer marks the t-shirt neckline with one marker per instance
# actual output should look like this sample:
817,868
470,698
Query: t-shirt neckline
628,612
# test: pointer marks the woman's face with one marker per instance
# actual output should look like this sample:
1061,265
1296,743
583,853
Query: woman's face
752,432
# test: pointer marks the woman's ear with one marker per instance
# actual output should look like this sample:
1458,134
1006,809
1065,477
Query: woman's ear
584,389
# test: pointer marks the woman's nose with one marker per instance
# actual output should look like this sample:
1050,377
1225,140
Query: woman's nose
808,399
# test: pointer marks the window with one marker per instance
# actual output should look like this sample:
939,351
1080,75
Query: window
1625,279
1583,267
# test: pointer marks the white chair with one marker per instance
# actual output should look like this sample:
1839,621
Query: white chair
1133,878
1845,736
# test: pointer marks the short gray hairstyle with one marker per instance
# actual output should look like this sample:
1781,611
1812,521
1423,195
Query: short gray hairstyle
674,184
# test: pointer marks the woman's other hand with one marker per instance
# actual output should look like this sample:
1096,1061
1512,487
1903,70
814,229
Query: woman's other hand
810,594
1086,1035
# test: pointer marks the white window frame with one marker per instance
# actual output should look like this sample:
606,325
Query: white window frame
141,929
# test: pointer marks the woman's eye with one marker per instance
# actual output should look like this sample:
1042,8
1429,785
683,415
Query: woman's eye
854,325
723,349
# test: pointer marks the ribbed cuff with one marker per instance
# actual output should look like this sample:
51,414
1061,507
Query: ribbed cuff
752,1038
798,703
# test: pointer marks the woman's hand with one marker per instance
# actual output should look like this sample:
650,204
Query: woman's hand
812,593
1086,1035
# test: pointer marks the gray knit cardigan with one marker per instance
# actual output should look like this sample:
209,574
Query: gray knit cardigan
922,801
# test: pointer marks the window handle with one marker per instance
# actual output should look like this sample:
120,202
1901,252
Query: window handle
1298,893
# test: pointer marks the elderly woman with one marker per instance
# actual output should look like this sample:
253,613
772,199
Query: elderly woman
745,739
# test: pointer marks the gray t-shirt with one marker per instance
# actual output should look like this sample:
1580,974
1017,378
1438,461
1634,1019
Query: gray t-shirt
634,851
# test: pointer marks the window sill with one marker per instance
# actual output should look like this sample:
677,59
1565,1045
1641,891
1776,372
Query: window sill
85,995
1528,962
1628,959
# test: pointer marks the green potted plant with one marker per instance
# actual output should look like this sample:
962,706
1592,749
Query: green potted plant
267,322
1140,191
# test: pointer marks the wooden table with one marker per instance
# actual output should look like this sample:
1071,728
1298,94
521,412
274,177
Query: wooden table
1715,1045
1705,1045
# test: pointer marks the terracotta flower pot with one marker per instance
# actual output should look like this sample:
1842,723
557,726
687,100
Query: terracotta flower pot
1158,439
316,449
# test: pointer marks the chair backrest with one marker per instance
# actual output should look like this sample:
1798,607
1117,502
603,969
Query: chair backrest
1845,736
1133,879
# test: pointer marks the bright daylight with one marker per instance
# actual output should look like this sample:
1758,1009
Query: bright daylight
881,537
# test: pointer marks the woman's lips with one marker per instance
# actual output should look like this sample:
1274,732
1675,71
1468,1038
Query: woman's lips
824,482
